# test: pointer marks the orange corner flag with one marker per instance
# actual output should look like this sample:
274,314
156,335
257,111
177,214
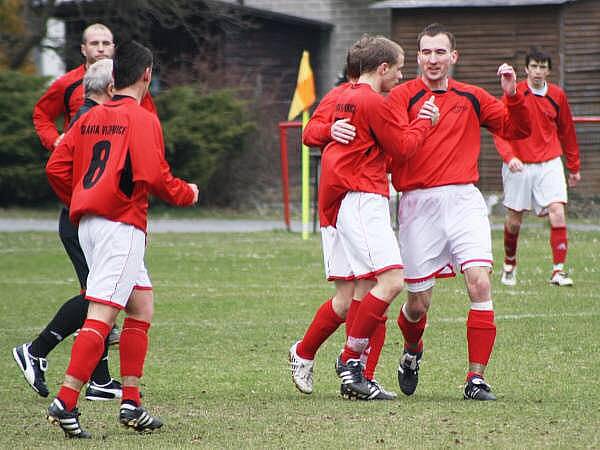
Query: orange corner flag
304,95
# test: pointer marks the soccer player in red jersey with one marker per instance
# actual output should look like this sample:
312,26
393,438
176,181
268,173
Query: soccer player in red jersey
353,190
65,95
105,168
342,306
31,358
443,222
533,173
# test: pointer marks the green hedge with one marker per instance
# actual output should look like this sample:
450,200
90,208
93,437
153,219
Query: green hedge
203,133
22,157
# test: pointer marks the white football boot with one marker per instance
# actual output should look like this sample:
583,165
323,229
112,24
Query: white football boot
302,371
509,275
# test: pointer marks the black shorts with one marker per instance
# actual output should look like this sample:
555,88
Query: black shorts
70,239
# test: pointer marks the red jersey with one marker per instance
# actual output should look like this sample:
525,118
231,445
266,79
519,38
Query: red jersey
64,97
317,133
451,149
110,160
552,130
360,165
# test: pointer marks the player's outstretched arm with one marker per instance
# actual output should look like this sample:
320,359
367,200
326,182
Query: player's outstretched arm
150,166
398,137
509,118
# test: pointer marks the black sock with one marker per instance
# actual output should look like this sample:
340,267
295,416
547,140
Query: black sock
101,374
65,322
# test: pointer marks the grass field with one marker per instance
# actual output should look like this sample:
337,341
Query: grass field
229,306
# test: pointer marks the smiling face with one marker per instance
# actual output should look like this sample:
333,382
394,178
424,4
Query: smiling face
435,58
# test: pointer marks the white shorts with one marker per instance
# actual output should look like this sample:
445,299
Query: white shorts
363,244
442,230
114,252
535,187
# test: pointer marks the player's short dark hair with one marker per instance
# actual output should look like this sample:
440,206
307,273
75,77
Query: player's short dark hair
537,54
130,60
371,51
433,29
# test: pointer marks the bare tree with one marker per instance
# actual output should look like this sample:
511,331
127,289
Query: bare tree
195,21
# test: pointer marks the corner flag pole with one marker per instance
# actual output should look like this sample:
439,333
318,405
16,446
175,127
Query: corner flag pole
304,97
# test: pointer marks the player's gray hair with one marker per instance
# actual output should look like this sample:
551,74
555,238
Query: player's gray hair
98,76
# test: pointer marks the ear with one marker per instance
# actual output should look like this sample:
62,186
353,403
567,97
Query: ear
147,74
453,57
383,68
83,50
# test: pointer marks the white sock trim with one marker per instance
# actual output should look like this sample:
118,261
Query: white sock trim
482,306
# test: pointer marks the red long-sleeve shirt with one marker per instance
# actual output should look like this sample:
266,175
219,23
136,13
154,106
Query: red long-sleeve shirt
451,149
552,130
316,133
64,97
360,166
110,160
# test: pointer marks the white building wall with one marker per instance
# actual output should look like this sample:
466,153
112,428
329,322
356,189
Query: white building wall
49,64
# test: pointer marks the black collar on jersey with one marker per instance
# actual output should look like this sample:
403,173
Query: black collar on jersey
121,97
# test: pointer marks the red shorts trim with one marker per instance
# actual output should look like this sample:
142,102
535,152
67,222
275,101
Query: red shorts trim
435,274
143,288
348,278
105,302
378,272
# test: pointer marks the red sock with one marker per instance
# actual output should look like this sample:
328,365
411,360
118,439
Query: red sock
412,332
351,314
510,247
376,343
481,334
324,324
369,315
559,244
132,394
87,349
68,396
133,347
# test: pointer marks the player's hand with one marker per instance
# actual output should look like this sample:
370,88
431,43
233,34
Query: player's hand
508,79
515,165
194,188
429,110
574,178
342,131
58,139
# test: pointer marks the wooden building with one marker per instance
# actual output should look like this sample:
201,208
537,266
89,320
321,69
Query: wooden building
489,32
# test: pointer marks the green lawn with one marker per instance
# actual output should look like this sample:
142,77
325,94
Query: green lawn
229,306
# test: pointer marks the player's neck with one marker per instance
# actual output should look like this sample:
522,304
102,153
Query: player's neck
436,85
372,79
136,91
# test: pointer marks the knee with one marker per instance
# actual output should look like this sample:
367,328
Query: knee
513,224
479,287
141,305
416,310
394,285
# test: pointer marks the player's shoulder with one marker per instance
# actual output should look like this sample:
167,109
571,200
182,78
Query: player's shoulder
406,90
555,90
461,86
72,76
414,85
